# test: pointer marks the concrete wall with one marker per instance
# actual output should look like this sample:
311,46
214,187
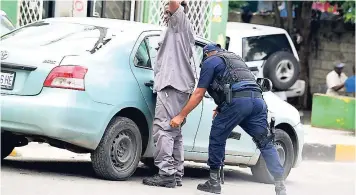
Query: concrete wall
331,48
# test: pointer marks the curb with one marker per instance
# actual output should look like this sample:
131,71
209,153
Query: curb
331,153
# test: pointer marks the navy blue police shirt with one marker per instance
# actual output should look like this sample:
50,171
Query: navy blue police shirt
215,66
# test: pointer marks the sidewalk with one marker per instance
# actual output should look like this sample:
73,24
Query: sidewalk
328,145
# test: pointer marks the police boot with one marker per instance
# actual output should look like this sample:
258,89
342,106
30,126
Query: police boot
161,181
213,184
280,188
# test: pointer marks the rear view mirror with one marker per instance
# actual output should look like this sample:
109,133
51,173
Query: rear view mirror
265,84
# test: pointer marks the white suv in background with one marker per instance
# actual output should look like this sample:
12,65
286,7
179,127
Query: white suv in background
270,53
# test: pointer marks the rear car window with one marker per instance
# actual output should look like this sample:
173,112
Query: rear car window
60,36
261,47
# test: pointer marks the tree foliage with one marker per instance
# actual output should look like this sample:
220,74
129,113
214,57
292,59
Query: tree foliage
236,5
347,7
349,11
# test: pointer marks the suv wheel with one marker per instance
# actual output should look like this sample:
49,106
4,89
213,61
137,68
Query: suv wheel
285,151
119,151
282,68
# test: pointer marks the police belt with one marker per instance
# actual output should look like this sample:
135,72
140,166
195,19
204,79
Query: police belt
240,94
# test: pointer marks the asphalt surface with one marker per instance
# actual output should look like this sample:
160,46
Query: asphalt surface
67,176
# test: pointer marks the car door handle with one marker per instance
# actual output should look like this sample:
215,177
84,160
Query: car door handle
149,84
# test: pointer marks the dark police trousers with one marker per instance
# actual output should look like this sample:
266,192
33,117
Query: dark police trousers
251,114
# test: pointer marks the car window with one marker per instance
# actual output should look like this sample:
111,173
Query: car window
152,44
261,47
67,36
142,58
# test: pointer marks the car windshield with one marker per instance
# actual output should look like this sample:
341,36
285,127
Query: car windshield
6,25
261,47
59,36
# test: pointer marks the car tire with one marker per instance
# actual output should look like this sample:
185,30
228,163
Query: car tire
119,151
282,62
6,147
6,150
284,147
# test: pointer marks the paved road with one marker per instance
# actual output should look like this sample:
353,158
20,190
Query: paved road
69,175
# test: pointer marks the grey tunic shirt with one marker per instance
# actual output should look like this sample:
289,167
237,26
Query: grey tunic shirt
173,66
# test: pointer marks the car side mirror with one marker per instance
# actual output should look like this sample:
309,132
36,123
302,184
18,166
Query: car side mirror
265,84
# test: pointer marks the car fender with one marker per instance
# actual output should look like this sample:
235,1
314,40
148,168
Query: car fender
142,107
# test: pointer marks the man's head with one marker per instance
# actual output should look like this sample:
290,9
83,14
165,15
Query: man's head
173,6
211,49
339,68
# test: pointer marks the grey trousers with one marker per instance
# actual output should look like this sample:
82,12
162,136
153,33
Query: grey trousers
169,153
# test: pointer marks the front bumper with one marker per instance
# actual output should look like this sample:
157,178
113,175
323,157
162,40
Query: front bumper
66,115
299,129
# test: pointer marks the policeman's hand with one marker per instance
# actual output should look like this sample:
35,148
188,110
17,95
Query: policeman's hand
215,112
176,121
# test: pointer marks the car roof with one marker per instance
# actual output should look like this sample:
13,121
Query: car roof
107,23
134,28
249,30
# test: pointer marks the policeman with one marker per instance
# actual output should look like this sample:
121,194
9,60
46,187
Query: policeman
239,98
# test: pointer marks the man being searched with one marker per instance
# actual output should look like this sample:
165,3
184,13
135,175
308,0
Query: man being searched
239,102
174,82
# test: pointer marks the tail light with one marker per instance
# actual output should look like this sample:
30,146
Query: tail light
67,77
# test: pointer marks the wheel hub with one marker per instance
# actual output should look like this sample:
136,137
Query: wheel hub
281,153
122,150
285,71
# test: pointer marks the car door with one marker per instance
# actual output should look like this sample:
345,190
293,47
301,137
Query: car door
147,51
143,70
237,147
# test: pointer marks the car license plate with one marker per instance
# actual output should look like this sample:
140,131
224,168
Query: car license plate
7,79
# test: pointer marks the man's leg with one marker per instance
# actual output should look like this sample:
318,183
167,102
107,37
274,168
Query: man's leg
179,100
163,137
178,155
256,126
169,104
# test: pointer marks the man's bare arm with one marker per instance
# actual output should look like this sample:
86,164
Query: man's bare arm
338,87
193,102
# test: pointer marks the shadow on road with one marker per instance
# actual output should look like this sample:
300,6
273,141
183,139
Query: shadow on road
84,169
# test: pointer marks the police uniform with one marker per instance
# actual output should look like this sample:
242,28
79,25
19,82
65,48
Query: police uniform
226,71
174,82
